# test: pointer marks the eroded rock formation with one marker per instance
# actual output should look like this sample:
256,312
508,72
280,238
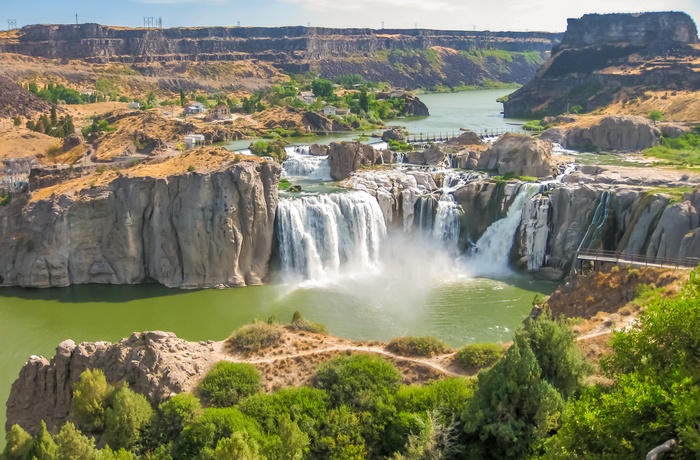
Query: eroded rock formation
519,154
347,157
616,133
188,230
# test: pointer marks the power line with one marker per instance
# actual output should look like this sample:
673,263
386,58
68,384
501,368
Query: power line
11,24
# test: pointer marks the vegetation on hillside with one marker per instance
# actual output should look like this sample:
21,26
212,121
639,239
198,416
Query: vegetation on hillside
680,151
532,403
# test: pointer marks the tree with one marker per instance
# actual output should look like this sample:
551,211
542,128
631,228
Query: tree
293,442
54,119
18,121
174,414
183,99
227,383
239,446
364,100
511,408
90,393
126,418
68,126
43,446
73,445
656,115
554,345
18,444
322,87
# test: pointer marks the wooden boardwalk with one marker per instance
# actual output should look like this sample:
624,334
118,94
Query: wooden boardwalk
636,260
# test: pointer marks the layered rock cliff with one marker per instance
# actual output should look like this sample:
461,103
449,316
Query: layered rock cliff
615,57
408,58
173,223
611,133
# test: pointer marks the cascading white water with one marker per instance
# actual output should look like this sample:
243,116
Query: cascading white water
319,235
447,222
306,166
492,251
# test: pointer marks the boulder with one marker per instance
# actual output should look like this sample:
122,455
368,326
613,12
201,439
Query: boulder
611,133
415,107
521,155
318,150
435,155
394,134
347,157
673,131
466,138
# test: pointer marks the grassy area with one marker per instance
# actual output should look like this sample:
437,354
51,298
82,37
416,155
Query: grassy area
510,177
533,125
675,193
681,151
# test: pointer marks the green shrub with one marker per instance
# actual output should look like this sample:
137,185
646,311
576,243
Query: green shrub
299,323
215,424
358,380
255,337
284,184
191,168
228,383
478,355
72,444
174,414
418,346
18,444
533,125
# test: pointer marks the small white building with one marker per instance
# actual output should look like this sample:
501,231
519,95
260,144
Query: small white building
193,140
342,112
329,110
194,108
134,105
308,97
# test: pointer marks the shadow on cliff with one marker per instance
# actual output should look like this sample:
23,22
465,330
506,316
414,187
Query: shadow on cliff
92,293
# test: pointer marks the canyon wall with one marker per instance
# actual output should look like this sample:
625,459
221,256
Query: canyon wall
189,230
604,58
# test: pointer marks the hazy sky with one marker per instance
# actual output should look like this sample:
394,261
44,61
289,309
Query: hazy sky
549,15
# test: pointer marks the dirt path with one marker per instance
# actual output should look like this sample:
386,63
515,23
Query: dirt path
342,348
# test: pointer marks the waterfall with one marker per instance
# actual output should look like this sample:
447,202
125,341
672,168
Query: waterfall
594,234
425,214
447,222
400,157
306,166
320,235
492,251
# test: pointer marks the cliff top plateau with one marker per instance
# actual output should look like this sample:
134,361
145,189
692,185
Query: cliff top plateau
620,61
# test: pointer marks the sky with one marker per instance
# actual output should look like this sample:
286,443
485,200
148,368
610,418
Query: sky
515,15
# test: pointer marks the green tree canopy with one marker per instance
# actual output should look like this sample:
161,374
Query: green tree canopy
322,87
126,418
228,383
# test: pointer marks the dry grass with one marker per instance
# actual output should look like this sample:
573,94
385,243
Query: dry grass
20,143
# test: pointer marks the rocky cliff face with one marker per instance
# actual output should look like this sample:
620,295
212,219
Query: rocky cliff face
603,56
186,230
521,155
155,364
612,133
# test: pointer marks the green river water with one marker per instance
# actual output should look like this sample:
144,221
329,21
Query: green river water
458,309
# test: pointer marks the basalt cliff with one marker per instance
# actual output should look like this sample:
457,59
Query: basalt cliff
174,223
614,58
406,58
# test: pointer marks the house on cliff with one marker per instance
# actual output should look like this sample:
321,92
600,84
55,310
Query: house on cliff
220,112
195,108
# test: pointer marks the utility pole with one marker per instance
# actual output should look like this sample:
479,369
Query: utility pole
11,24
76,19
159,23
382,24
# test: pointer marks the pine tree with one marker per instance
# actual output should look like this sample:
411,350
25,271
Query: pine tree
43,445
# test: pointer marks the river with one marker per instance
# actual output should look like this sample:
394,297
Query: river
410,289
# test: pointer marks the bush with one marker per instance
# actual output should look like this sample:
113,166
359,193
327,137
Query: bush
284,184
418,346
228,383
255,337
215,424
299,323
359,380
478,355
174,414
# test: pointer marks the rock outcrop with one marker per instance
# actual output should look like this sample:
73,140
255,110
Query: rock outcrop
519,154
435,155
415,107
185,229
347,157
602,58
17,101
611,133
156,364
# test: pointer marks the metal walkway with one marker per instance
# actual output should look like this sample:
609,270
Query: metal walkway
636,260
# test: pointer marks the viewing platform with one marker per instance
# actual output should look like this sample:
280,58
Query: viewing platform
597,256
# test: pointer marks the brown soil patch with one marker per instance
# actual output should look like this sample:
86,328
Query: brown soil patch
205,159
607,290
677,106
20,143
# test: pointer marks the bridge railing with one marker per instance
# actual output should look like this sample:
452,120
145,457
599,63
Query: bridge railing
637,259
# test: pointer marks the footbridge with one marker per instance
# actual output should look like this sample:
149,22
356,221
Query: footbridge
600,256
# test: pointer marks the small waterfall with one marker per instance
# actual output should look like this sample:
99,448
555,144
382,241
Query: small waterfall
307,166
400,157
425,214
492,251
594,235
447,222
319,235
